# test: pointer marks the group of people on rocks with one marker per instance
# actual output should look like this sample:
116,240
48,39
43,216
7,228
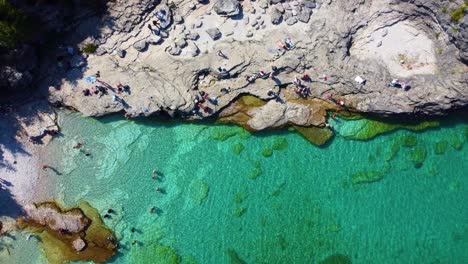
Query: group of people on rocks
102,88
300,89
200,101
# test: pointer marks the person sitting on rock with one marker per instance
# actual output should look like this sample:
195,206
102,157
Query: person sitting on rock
262,74
225,90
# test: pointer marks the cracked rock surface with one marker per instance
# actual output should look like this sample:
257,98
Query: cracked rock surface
334,42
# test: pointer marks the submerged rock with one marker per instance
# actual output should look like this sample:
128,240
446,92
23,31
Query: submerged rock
66,235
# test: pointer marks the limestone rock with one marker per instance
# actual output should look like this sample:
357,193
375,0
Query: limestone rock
47,214
174,50
121,53
226,7
193,49
214,33
140,45
181,43
79,244
279,7
291,21
276,16
164,14
178,19
309,4
275,1
154,40
198,23
100,51
304,15
249,34
263,4
193,36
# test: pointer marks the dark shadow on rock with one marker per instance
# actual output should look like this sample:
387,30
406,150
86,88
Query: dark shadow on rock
8,205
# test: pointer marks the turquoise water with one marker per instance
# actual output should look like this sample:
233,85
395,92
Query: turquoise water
299,205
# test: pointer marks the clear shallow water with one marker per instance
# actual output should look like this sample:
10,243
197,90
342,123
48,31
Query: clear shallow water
301,207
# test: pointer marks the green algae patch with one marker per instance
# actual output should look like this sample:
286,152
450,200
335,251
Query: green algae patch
277,191
455,141
237,113
255,173
238,148
418,156
188,260
239,212
234,257
440,147
257,164
392,152
409,141
364,129
279,144
199,191
336,259
240,197
267,152
369,176
222,133
318,136
58,246
164,255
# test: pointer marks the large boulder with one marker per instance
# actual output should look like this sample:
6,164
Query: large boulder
227,7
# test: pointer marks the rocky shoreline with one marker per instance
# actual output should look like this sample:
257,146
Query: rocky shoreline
195,60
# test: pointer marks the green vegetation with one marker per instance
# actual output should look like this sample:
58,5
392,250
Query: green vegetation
89,48
366,176
458,13
13,25
440,51
444,9
237,148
